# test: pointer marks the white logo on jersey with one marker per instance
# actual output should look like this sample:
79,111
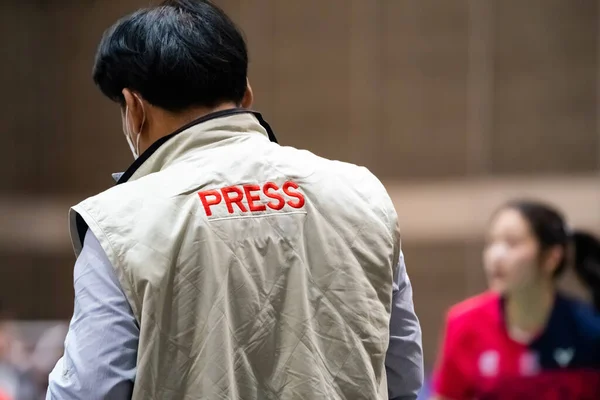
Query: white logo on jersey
564,356
529,364
489,362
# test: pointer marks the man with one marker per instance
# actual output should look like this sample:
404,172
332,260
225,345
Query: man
222,265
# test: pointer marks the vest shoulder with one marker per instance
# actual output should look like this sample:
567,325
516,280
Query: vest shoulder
481,307
123,199
359,185
325,166
113,193
343,189
358,179
343,179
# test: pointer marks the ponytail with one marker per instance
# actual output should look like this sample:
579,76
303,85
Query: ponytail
587,262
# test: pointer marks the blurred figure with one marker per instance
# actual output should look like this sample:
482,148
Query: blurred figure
47,351
8,373
15,381
225,266
523,340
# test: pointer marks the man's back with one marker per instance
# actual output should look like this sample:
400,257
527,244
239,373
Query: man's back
230,267
255,271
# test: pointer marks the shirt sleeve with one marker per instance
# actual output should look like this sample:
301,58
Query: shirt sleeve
448,380
404,359
100,355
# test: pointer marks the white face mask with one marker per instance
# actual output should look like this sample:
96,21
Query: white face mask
127,131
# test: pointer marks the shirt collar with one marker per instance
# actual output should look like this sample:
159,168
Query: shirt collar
235,122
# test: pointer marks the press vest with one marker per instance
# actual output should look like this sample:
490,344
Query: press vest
255,271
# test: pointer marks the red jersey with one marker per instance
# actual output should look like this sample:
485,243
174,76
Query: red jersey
479,359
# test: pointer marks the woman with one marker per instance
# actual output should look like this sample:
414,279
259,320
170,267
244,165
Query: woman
523,340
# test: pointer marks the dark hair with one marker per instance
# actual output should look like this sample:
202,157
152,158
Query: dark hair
547,224
587,262
179,54
549,227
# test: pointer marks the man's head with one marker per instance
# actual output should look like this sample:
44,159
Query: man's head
170,64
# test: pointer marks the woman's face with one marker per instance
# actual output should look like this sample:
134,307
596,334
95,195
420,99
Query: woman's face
511,255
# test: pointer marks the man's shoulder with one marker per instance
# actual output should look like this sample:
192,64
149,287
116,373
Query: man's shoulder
356,179
124,205
323,166
114,196
132,191
359,186
343,180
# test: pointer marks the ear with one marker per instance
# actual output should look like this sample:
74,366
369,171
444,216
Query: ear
552,258
134,104
248,99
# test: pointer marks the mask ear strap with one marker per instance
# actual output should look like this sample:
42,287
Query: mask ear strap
137,145
127,127
139,133
143,112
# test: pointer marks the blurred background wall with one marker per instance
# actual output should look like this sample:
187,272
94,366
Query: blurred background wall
455,105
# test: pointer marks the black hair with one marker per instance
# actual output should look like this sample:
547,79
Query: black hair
549,227
587,262
179,54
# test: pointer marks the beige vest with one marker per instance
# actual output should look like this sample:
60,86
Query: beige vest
255,271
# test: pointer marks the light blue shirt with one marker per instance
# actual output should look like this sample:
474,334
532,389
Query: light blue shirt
101,346
404,358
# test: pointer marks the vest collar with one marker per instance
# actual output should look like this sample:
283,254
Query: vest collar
160,153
